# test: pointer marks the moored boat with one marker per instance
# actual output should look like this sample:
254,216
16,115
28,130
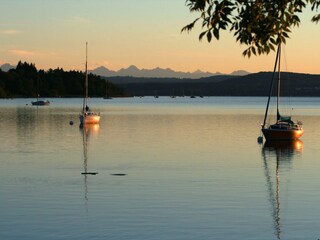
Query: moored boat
87,116
41,103
284,128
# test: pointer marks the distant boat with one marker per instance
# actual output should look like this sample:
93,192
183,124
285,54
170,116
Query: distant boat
41,103
107,96
192,95
284,128
156,94
183,93
173,95
86,116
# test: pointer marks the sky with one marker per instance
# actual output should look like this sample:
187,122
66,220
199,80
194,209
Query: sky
144,33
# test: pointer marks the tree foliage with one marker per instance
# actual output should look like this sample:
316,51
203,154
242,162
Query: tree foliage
26,81
258,24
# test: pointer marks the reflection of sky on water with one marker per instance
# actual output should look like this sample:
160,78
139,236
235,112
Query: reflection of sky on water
192,172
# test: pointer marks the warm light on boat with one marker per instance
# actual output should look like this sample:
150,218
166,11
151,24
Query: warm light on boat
93,119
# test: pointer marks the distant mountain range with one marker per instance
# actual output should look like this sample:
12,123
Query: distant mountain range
133,71
6,67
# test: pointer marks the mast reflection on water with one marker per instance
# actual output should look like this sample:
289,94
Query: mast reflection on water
282,154
87,130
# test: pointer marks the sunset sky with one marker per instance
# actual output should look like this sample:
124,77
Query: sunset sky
144,33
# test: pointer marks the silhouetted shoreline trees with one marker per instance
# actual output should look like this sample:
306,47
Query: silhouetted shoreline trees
26,81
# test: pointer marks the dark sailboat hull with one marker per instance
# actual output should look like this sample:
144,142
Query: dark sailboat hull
282,134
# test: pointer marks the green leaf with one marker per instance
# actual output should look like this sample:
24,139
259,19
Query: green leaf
316,18
285,34
216,33
253,50
202,34
209,36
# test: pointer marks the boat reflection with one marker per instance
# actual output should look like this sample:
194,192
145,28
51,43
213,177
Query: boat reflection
288,148
278,154
87,131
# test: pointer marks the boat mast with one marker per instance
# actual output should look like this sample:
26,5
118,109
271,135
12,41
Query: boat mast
271,86
278,87
86,70
86,81
37,89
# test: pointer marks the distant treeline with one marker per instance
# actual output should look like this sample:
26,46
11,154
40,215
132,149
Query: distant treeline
26,81
257,84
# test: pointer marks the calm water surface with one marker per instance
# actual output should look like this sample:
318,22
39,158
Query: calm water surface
167,169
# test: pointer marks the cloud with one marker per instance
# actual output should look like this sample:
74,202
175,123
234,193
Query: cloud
19,52
10,32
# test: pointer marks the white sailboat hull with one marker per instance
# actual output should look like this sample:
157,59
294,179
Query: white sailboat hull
89,118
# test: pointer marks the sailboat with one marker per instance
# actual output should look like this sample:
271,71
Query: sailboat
40,102
284,128
86,116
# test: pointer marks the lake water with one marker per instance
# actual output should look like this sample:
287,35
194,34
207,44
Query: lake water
173,169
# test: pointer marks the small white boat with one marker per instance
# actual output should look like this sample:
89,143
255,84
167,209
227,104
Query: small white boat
87,116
